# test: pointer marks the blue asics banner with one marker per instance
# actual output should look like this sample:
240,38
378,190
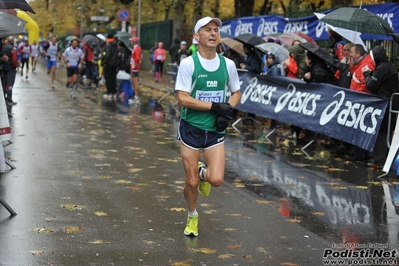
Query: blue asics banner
272,24
346,115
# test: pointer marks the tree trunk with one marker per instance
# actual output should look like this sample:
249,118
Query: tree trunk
265,8
243,8
178,19
216,10
199,4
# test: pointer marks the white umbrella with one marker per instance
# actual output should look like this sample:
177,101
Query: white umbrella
350,35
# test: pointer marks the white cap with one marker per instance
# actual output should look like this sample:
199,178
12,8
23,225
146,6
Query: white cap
204,21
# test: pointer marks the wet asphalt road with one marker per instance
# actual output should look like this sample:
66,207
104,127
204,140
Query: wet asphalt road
100,183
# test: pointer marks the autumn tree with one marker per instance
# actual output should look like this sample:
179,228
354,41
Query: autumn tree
243,8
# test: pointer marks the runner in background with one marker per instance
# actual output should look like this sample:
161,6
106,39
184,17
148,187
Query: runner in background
73,58
25,52
35,48
52,53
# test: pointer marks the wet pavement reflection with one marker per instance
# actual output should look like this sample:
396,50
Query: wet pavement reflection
340,200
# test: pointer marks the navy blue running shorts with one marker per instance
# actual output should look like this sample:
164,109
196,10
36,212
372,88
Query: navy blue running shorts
72,71
196,138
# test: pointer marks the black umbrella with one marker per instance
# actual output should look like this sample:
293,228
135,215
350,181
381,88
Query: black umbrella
359,20
91,41
124,37
321,53
20,4
250,39
10,25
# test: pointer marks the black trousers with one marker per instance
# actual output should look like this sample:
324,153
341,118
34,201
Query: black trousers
110,79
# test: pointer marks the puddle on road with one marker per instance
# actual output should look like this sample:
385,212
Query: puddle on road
339,200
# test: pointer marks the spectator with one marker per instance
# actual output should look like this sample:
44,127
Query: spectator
152,53
159,57
135,63
343,73
337,44
235,56
383,81
319,71
173,49
89,66
252,63
298,53
360,60
273,68
110,63
181,54
290,66
193,47
9,62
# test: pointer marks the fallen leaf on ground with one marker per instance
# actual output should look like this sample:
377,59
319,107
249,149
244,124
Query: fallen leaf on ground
263,201
339,188
239,185
230,229
181,264
178,209
319,213
135,188
289,264
134,170
37,252
71,229
76,172
121,181
101,214
105,177
295,220
205,250
73,207
99,242
226,256
333,169
234,246
234,214
163,196
43,230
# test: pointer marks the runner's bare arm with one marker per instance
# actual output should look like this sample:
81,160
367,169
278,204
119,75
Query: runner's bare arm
235,98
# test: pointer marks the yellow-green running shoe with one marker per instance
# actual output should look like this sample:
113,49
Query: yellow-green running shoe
204,186
192,226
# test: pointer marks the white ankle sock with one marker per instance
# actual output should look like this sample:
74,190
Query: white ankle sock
193,212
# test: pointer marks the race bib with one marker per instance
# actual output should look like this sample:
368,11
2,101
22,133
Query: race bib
210,96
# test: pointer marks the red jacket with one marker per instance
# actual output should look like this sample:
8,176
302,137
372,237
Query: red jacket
358,83
292,69
135,59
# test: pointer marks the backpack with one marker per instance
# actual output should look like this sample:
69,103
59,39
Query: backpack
111,55
126,60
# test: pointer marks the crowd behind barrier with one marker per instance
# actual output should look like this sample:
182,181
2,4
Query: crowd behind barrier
337,112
